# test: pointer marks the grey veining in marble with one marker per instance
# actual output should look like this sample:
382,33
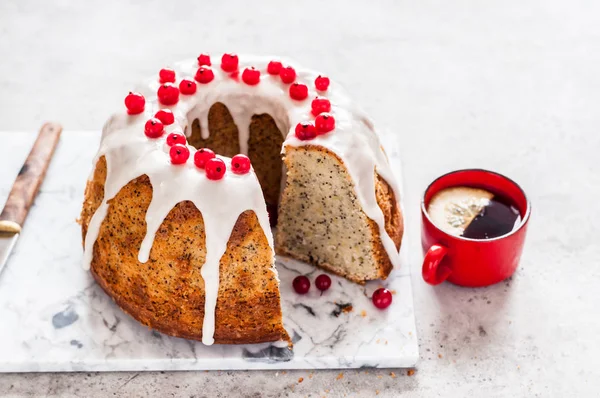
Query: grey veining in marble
56,318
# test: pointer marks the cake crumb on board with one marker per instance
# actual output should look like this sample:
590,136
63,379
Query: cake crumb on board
410,372
340,376
301,379
393,375
363,313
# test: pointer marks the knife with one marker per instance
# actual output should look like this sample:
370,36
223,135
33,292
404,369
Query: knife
25,188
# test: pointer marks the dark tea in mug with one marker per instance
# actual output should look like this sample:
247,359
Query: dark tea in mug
473,213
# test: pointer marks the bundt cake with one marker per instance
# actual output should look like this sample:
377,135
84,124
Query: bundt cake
175,221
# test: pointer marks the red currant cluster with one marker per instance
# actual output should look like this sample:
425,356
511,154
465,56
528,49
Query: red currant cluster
324,121
320,108
205,159
302,283
215,168
168,94
382,298
179,152
287,74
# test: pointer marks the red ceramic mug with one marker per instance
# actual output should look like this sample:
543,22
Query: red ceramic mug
472,262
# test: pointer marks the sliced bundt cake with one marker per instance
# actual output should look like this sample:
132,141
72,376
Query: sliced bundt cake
175,222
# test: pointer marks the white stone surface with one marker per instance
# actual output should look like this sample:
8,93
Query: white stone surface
63,321
503,84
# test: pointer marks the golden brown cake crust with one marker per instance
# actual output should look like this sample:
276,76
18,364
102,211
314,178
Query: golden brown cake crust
394,225
167,292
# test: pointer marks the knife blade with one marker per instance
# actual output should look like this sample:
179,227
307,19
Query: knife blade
25,189
7,242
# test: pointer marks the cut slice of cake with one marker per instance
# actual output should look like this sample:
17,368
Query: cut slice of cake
321,220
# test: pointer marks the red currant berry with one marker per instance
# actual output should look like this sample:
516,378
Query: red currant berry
251,76
215,169
165,116
240,164
204,75
135,103
301,284
153,128
274,67
324,123
168,94
287,74
320,105
204,59
167,75
229,62
298,91
187,87
323,282
306,131
202,156
179,154
382,298
321,83
175,139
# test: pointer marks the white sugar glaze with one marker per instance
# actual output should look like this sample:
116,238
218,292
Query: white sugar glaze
130,154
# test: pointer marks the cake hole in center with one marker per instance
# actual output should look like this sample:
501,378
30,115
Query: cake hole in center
264,148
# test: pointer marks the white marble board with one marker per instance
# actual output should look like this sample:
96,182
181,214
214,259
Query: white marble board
54,317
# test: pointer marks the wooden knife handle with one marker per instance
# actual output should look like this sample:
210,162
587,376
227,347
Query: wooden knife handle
30,178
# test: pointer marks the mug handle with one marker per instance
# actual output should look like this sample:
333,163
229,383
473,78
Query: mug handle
433,273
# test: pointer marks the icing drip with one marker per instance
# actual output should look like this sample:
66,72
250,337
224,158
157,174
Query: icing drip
130,154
